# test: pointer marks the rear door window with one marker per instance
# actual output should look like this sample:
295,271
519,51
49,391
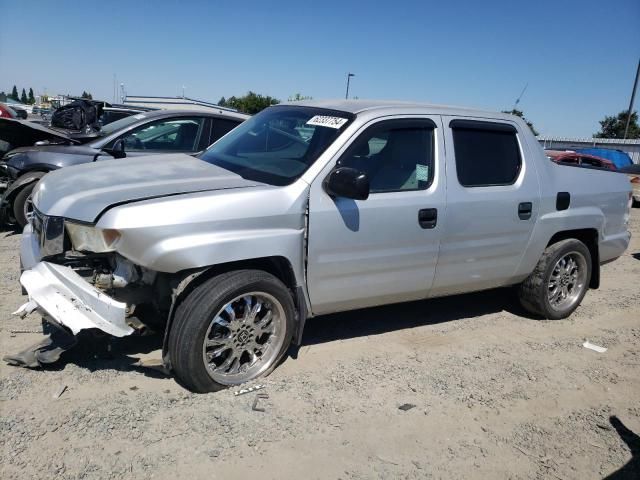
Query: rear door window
487,154
221,127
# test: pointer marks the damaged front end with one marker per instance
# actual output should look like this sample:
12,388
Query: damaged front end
72,301
79,290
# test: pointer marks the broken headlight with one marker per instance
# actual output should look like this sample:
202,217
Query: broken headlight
87,238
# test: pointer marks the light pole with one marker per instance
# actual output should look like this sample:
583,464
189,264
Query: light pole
349,75
633,96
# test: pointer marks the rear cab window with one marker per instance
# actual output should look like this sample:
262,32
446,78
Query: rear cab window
486,153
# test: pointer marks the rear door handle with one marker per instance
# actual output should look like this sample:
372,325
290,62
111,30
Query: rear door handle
428,217
524,210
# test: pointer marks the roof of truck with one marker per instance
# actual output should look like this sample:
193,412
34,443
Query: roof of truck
359,106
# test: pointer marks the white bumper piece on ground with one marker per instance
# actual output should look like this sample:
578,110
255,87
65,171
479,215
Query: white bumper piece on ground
71,301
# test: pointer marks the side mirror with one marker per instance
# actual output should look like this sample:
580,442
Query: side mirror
347,182
118,149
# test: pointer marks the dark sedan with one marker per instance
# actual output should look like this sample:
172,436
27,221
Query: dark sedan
161,131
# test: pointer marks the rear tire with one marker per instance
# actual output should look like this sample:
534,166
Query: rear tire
19,202
231,329
559,282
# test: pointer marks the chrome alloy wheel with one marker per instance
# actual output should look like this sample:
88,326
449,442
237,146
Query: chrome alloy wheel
567,281
244,338
28,207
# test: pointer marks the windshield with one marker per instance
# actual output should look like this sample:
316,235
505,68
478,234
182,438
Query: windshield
279,144
109,128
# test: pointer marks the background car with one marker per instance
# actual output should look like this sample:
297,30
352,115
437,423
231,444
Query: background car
7,112
617,157
116,112
161,131
633,172
579,159
22,109
20,112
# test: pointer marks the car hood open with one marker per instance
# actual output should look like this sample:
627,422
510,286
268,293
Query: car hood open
83,192
22,133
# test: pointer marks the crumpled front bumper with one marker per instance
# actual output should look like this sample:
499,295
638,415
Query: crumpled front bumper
69,300
29,248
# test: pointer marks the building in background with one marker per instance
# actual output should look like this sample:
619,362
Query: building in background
176,103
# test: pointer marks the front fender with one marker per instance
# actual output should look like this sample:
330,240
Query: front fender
21,182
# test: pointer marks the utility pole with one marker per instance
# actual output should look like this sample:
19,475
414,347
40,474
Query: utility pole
349,75
633,97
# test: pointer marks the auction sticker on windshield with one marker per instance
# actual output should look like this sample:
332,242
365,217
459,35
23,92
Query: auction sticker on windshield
327,121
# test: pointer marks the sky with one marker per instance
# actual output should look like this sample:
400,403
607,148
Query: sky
578,58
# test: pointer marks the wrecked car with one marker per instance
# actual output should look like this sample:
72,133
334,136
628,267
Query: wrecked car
160,131
312,208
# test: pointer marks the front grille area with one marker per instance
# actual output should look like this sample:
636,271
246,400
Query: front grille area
50,233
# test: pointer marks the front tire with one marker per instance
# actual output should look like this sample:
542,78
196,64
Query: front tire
22,206
559,282
231,329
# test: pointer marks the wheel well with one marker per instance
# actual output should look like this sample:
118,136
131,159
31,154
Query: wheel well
588,236
181,283
177,286
279,267
10,195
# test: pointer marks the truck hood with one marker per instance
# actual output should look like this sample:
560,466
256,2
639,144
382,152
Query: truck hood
83,192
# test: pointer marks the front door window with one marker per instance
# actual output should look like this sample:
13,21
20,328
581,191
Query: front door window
170,135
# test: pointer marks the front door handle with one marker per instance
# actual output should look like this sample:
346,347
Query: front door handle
428,217
524,210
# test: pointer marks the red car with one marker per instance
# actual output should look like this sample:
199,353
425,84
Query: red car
574,158
7,112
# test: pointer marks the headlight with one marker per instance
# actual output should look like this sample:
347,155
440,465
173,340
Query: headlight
15,160
9,154
91,239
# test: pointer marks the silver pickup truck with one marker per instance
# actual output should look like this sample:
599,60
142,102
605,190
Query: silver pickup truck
311,208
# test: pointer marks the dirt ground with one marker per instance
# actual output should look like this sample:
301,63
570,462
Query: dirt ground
487,393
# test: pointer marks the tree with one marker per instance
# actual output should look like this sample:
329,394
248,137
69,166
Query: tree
519,113
86,95
32,99
23,96
3,97
613,126
251,103
297,97
14,93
